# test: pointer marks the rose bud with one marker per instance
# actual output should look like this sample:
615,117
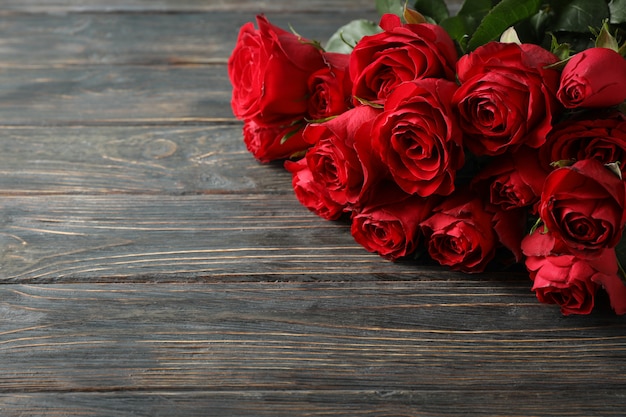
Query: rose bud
269,69
311,194
272,142
561,279
334,159
402,52
512,180
389,225
569,281
583,205
507,97
595,135
460,234
418,139
595,77
330,88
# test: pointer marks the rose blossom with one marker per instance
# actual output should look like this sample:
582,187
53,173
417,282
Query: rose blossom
311,194
272,142
400,53
334,160
596,135
594,77
417,137
389,225
268,70
583,205
512,180
507,96
569,281
330,87
460,234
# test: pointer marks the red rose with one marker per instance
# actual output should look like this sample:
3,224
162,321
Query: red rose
583,205
593,136
507,96
512,180
460,234
400,53
334,159
310,193
390,225
594,77
272,142
330,88
569,281
417,137
269,69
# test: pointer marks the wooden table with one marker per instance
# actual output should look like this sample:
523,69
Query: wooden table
150,267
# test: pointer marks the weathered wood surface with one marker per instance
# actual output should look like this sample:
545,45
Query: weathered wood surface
386,348
150,267
114,95
169,6
33,39
156,160
136,237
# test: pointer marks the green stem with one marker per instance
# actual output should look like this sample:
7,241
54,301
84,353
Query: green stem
621,270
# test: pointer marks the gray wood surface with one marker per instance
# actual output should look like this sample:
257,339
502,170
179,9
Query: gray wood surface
169,6
149,38
150,267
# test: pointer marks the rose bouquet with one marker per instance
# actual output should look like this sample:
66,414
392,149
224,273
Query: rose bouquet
495,135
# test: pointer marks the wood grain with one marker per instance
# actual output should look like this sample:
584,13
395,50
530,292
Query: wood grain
202,159
287,403
218,236
114,95
169,6
45,40
444,346
150,267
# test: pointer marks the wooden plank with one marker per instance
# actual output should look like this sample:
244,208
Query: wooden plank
114,95
169,6
284,403
145,38
139,160
577,401
66,238
433,346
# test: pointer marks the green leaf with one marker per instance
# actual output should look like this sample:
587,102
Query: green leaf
505,14
459,28
538,23
580,15
390,6
437,9
535,226
533,30
561,50
347,36
617,9
476,7
462,26
288,135
606,40
369,103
